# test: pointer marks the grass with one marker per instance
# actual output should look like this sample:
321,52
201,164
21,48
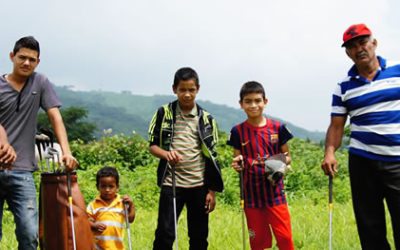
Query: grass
310,223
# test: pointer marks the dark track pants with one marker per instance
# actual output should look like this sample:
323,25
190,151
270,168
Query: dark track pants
197,219
371,183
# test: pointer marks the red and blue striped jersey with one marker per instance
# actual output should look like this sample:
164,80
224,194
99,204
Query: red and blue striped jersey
256,144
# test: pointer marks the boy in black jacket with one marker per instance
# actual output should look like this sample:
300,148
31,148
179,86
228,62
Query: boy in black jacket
184,136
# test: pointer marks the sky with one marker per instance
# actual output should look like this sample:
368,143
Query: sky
291,47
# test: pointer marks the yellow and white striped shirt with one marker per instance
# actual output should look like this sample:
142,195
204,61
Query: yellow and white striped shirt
113,217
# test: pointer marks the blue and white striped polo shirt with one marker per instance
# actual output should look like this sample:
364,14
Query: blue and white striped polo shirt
374,111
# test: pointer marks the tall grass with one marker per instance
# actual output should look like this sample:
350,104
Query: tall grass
306,188
310,224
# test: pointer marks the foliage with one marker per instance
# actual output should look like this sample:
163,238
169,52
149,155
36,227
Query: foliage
128,151
75,123
306,186
307,178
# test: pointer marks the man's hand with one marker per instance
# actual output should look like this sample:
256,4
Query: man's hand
210,201
7,155
237,163
70,162
329,164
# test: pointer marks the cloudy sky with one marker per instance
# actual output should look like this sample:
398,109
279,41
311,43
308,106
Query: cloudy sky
292,47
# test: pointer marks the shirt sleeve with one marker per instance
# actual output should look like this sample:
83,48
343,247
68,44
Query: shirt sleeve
89,210
49,98
338,107
234,138
154,128
284,135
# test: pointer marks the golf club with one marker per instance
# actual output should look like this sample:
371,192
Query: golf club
70,209
40,140
174,204
39,147
330,210
128,228
48,155
54,156
242,203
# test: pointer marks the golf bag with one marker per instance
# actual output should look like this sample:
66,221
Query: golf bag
55,231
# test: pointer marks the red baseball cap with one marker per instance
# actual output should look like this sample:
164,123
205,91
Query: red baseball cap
355,30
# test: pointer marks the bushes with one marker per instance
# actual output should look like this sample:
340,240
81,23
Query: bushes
137,168
128,151
307,178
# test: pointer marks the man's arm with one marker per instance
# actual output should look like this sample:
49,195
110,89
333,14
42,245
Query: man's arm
333,141
62,138
7,152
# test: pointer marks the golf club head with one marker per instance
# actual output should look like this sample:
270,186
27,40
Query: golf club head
49,134
53,155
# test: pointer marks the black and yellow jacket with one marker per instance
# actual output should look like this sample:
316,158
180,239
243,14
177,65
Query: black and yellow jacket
161,132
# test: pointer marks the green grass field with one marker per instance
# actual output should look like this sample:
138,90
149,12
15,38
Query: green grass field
306,189
310,228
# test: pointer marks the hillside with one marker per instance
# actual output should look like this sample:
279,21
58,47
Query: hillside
125,112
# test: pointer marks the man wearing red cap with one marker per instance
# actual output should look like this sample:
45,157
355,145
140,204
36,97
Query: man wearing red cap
370,96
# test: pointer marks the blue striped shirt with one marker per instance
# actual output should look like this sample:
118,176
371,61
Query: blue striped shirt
374,111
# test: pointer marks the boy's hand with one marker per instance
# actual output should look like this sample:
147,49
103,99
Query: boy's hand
210,201
237,163
98,227
127,200
131,209
173,157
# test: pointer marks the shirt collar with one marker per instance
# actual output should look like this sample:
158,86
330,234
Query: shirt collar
115,201
353,72
192,112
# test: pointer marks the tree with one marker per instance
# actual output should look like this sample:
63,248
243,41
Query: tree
74,122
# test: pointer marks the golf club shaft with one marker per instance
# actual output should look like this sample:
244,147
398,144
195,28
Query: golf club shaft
38,145
128,228
242,208
174,204
330,210
71,213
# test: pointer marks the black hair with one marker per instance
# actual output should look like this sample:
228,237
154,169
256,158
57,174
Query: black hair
28,42
251,87
107,172
184,74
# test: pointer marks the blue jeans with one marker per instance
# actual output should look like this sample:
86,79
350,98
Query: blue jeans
18,189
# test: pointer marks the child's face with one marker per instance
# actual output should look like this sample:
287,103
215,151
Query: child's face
253,105
186,92
108,188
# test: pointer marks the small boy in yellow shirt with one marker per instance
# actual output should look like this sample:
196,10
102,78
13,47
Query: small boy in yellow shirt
107,213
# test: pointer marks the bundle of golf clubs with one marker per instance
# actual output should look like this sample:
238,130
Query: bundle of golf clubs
46,150
45,144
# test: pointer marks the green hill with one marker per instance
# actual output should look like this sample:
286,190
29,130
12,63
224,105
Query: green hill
125,112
